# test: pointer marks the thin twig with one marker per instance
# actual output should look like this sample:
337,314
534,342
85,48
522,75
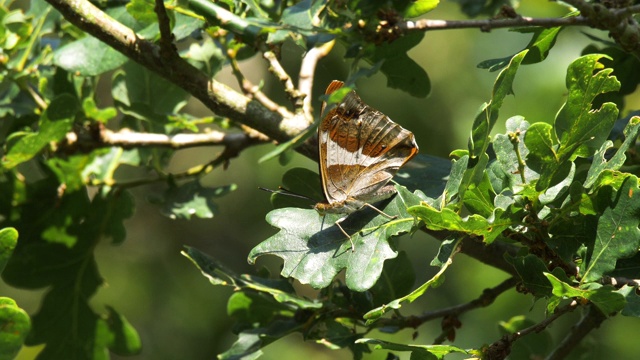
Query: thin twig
487,297
590,321
307,70
164,24
489,24
253,91
276,69
500,349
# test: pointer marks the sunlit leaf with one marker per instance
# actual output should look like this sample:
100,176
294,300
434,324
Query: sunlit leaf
604,297
601,164
54,124
15,324
435,351
8,241
314,250
618,235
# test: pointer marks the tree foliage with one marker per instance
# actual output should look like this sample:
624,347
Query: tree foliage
553,203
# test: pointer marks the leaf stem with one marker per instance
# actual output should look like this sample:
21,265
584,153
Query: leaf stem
515,141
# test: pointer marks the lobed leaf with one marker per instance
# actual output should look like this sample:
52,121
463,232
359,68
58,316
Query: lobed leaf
15,325
604,297
402,72
446,219
417,351
314,250
632,306
580,128
530,269
190,199
65,323
54,124
280,290
541,42
8,242
600,164
617,234
419,7
488,116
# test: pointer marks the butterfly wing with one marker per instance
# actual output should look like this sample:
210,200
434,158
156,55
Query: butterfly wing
360,150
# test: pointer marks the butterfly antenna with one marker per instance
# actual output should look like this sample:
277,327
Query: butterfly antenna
284,191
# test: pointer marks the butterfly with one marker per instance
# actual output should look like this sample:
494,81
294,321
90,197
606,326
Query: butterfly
360,150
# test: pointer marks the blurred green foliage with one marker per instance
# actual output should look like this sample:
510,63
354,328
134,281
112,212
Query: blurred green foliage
134,294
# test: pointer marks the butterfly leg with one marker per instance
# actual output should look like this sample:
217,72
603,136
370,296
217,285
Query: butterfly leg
380,211
353,248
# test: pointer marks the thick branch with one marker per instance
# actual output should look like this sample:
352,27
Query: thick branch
128,139
218,97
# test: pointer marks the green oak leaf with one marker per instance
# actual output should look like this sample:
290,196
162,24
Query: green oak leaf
419,7
190,199
402,72
69,273
579,129
54,124
449,220
510,152
479,197
15,324
281,290
135,87
617,235
314,249
142,11
417,351
600,164
8,242
88,57
488,115
530,269
541,42
632,307
606,298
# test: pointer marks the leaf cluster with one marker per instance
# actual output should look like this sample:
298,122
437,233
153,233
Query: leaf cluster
560,195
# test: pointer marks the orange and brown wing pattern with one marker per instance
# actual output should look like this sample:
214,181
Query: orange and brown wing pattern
360,149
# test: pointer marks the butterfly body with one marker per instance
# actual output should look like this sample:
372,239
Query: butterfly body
360,150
